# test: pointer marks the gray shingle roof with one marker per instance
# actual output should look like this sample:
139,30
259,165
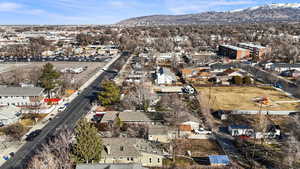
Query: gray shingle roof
109,166
120,147
128,147
20,91
130,116
158,130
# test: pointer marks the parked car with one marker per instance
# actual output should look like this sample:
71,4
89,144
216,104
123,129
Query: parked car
61,108
33,134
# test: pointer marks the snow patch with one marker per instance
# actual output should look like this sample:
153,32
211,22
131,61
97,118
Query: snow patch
270,6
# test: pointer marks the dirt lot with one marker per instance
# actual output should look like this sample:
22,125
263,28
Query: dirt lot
242,98
199,148
254,121
23,70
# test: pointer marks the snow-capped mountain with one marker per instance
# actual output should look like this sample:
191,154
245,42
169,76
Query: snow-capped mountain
270,6
266,13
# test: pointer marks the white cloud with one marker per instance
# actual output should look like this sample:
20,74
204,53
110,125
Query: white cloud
183,7
33,11
122,4
117,4
9,6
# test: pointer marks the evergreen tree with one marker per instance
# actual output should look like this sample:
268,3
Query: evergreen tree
49,77
88,144
247,80
110,93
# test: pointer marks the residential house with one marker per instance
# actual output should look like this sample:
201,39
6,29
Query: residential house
164,76
196,73
280,67
159,134
164,57
218,67
109,166
130,117
187,128
132,150
192,124
21,96
9,115
240,130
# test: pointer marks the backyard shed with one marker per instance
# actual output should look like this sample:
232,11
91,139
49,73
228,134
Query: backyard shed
218,160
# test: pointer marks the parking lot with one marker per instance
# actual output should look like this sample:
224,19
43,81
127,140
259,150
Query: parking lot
96,58
9,70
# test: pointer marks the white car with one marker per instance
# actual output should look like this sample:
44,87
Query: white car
62,108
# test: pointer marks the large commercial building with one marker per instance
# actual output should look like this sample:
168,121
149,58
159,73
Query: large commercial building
255,50
233,52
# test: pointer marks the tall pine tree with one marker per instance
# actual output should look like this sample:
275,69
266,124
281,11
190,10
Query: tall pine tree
88,144
49,77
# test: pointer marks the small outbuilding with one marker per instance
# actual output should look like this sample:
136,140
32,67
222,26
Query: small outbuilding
218,160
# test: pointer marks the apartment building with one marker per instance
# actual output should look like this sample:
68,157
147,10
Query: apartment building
255,50
233,52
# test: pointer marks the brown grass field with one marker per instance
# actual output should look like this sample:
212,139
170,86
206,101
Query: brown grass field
198,148
241,98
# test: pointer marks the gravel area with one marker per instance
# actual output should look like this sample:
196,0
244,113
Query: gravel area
10,70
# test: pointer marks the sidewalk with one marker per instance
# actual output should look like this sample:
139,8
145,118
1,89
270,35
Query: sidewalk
13,147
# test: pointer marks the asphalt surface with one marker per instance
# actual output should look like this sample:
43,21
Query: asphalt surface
66,119
271,78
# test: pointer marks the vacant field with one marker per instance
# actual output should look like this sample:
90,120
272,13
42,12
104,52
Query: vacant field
9,71
242,98
198,148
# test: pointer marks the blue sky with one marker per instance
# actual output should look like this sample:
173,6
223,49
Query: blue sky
110,11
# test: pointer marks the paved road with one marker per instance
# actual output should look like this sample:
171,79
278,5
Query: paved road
77,109
271,78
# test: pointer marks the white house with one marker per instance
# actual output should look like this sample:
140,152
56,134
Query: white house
165,76
9,115
21,96
164,56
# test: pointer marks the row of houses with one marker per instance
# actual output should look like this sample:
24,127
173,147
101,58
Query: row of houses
216,73
146,151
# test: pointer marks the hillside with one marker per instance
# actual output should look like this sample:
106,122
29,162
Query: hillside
266,13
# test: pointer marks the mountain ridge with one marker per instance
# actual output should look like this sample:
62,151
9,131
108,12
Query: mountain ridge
265,13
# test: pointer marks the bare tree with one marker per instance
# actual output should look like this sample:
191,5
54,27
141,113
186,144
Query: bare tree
55,154
140,96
